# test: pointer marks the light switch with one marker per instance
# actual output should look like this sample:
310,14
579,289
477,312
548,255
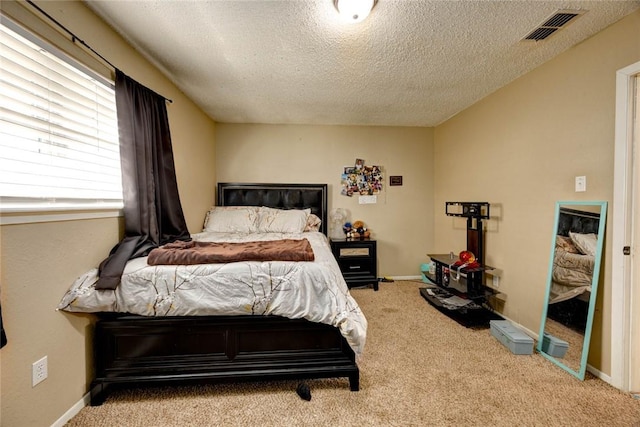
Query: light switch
581,183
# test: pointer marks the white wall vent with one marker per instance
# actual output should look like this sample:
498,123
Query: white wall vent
555,22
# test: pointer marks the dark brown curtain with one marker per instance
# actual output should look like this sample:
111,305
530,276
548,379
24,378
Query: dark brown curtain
152,211
3,336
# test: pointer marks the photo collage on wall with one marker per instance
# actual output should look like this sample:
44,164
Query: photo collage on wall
362,180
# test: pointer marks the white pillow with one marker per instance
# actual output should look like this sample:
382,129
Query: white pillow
313,223
236,219
282,220
586,243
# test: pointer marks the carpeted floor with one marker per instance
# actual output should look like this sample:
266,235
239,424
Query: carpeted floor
420,368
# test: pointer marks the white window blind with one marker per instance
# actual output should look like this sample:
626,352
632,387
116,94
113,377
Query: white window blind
58,130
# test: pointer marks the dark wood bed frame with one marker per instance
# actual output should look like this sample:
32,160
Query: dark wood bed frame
577,221
133,351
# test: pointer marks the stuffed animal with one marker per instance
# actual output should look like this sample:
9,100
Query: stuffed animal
357,230
347,228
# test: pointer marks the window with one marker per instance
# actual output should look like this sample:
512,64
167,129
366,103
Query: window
58,130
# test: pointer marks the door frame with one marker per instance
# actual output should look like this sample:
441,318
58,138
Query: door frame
622,274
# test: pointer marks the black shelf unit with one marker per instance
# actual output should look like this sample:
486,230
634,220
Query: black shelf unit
470,286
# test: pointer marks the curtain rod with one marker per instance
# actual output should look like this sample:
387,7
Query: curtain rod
75,38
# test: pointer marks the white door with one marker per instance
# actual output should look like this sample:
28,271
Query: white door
634,356
625,323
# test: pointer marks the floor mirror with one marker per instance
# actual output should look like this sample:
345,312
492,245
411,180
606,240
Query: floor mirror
572,284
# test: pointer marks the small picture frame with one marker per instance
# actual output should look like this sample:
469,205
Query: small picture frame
395,180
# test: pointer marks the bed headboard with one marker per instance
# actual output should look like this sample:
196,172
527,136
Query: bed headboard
577,221
281,196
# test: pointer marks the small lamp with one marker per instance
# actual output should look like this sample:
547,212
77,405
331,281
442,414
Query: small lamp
354,10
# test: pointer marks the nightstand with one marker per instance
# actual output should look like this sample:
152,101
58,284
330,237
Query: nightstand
357,259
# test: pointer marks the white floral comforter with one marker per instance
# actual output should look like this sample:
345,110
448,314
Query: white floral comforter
315,291
571,275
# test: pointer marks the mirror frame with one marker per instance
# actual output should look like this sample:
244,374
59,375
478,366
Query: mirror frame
580,374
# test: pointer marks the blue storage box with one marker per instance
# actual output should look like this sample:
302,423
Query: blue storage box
424,270
554,346
511,337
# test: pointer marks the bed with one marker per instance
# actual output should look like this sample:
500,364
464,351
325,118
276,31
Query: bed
573,264
229,320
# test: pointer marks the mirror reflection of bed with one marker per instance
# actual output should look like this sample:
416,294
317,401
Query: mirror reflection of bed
573,277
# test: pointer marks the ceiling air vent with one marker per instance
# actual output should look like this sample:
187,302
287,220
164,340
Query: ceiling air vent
555,22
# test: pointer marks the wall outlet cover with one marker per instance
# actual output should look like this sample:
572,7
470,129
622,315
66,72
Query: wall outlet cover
39,371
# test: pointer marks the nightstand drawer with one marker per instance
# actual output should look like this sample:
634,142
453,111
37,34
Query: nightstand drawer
351,252
357,266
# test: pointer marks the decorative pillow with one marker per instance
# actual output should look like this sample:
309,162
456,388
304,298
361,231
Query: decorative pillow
586,243
313,223
282,220
227,219
566,244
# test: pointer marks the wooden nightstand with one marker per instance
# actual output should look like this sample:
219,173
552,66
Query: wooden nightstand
357,259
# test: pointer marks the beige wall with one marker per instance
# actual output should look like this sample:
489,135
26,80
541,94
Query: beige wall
401,221
521,149
40,261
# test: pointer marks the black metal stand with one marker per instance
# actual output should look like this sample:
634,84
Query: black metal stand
475,212
471,287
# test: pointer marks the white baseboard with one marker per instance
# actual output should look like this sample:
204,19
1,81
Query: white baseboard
73,411
604,377
405,277
529,332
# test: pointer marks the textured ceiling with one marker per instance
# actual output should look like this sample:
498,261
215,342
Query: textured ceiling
410,63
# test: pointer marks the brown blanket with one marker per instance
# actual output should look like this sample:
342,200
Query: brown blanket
188,253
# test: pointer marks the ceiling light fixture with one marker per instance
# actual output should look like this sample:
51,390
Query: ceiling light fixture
353,11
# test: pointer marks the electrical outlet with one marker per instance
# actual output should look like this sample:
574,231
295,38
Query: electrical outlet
39,371
496,281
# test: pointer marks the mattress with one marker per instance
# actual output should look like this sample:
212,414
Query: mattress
313,290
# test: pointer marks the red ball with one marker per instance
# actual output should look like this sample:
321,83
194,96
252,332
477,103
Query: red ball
467,257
